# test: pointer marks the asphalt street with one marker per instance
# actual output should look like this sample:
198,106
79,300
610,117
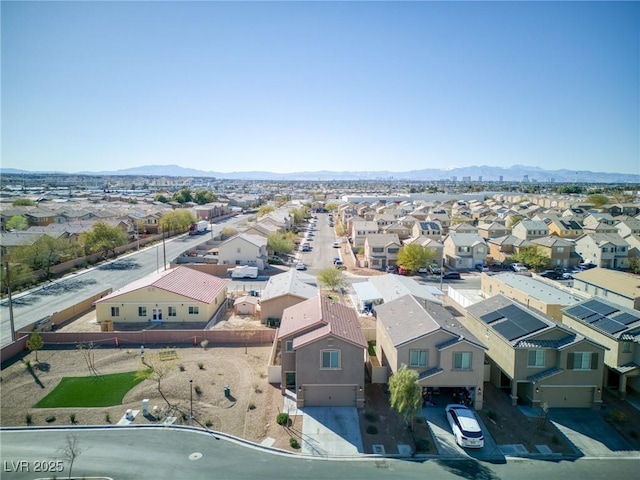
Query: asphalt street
134,453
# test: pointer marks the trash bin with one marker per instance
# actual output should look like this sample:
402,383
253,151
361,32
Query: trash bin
227,391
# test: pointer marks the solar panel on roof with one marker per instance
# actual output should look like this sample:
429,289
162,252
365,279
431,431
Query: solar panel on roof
491,316
509,330
510,311
626,318
531,324
580,312
594,318
609,325
599,307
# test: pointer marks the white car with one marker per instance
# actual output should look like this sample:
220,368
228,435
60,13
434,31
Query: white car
518,267
464,425
336,245
300,266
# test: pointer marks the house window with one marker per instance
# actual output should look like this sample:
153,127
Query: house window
377,250
626,347
288,346
290,380
393,250
330,359
115,311
462,360
239,250
560,249
417,358
194,310
536,358
582,361
173,311
142,311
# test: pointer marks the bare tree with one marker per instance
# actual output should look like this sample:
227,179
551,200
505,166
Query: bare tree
89,357
70,450
157,369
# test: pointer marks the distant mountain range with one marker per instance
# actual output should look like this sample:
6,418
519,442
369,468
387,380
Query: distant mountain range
516,173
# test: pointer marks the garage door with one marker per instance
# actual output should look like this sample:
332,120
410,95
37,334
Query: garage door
330,395
567,397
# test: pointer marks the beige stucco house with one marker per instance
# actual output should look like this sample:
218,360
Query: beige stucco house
283,291
180,294
534,358
322,354
619,287
243,249
428,339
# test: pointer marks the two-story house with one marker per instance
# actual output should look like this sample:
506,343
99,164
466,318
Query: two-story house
283,291
463,251
243,249
322,354
559,251
427,229
619,287
618,329
606,250
565,228
493,230
381,250
537,360
360,229
530,229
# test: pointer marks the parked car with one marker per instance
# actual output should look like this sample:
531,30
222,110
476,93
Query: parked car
306,247
300,266
336,245
423,270
551,274
403,271
391,269
434,269
519,267
464,426
451,276
482,268
337,261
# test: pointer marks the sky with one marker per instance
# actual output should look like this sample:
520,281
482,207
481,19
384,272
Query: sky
309,86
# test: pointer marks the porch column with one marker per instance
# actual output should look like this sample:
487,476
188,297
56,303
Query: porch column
514,393
622,389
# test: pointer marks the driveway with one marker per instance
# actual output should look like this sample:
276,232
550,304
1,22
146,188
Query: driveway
589,432
331,431
446,443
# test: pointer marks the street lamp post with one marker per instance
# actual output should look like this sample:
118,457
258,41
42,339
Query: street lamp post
10,298
191,390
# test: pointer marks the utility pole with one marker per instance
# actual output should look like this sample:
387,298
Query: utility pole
164,251
8,280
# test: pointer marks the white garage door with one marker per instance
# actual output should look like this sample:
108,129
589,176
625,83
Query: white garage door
330,395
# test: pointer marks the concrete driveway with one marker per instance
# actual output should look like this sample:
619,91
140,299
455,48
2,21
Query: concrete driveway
446,444
589,432
331,431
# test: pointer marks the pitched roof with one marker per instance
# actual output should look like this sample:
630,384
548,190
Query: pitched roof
318,317
288,283
183,281
396,286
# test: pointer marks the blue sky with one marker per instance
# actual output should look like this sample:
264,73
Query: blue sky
304,86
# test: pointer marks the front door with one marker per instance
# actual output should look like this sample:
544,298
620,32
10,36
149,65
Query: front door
157,314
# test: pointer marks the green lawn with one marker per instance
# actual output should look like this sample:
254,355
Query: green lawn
98,391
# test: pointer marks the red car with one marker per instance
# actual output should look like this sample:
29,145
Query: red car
403,271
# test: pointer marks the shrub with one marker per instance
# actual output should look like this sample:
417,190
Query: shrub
181,367
72,418
29,419
201,365
208,423
198,390
107,417
50,419
184,416
555,440
294,443
256,388
282,419
422,445
492,415
252,406
204,343
372,430
618,416
371,416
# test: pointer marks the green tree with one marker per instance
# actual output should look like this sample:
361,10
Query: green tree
406,393
332,278
183,195
42,254
265,210
634,264
331,207
414,256
160,198
179,220
514,219
531,257
299,215
14,273
23,202
279,243
35,343
598,200
17,222
203,196
104,238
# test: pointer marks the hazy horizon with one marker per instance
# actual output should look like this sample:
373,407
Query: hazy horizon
310,86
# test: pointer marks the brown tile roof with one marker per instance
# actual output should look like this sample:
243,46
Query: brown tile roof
318,317
183,281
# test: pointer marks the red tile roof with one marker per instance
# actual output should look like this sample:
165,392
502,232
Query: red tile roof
183,281
318,317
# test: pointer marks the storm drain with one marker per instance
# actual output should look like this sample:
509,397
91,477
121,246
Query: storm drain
516,449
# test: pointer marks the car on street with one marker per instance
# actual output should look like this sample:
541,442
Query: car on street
465,426
551,274
391,269
336,245
482,268
519,267
451,276
338,261
300,266
423,270
434,269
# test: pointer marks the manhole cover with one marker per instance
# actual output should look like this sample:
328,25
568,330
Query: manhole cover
195,456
